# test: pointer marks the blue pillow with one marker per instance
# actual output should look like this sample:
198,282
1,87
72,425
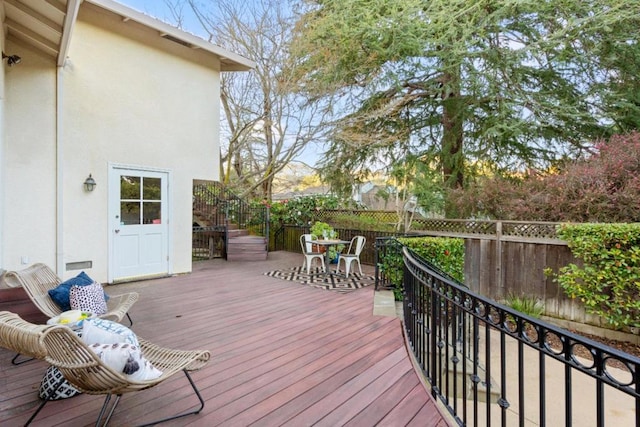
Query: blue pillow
60,294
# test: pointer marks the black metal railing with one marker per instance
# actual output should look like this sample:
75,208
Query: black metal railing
216,210
386,248
388,263
207,242
491,365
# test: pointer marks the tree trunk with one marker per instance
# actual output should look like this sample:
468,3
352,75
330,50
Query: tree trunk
452,134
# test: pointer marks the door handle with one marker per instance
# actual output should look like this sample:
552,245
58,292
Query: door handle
117,231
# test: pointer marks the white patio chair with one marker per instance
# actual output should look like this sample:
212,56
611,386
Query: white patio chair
352,255
309,254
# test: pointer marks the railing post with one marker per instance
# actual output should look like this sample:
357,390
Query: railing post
375,263
266,225
498,272
434,300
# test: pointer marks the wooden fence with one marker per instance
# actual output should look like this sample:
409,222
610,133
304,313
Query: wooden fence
502,258
509,258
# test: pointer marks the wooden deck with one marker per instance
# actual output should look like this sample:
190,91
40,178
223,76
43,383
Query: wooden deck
282,354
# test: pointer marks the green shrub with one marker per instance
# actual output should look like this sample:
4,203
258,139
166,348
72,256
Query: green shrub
445,253
320,230
528,305
391,265
301,210
608,281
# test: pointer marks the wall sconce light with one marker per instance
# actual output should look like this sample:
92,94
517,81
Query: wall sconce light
11,59
90,183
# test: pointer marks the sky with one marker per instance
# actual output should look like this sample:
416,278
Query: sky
159,9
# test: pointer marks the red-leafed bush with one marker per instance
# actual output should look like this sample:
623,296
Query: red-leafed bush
605,187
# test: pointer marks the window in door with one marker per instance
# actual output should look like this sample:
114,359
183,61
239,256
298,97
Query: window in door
140,200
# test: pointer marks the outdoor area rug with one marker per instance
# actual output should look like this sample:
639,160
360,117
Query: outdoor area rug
318,280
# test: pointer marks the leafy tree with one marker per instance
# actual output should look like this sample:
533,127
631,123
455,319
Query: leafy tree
621,88
457,81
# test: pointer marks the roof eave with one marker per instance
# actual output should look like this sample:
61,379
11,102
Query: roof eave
73,6
229,61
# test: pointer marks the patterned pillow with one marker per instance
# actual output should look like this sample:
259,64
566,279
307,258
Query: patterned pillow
60,294
104,331
51,379
116,356
143,370
127,359
88,298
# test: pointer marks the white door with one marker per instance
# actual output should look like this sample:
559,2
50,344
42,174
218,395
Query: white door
139,223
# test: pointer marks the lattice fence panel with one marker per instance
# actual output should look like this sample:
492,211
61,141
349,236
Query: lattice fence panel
456,226
533,230
526,230
330,216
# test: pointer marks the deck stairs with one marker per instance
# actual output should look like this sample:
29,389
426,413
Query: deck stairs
486,392
243,247
222,222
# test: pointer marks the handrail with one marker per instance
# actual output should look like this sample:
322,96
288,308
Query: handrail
491,365
390,246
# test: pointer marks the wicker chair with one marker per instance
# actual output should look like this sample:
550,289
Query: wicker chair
21,336
86,372
38,279
24,338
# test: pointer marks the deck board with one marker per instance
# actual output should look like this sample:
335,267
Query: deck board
282,354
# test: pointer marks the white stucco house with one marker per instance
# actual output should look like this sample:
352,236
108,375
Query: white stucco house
106,92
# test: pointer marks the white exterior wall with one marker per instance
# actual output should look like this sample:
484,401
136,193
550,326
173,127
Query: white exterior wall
127,98
3,180
29,163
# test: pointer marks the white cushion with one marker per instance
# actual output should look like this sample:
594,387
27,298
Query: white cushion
114,356
102,331
127,359
146,371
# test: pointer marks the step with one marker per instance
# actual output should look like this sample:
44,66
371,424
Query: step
247,241
17,301
247,257
237,233
485,392
247,248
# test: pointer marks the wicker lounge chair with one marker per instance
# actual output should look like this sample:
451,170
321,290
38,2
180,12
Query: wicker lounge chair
38,279
86,372
24,338
21,336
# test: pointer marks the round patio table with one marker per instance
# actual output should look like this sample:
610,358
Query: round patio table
328,243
